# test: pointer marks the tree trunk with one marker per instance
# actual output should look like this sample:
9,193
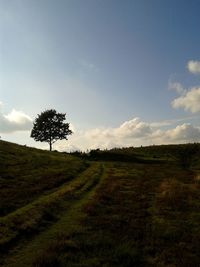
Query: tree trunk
50,144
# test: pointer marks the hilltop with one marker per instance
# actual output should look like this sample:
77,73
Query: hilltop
122,207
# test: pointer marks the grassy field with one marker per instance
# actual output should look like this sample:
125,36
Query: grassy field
125,207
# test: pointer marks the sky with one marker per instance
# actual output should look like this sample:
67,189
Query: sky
126,73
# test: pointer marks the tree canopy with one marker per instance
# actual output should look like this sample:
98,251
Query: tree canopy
49,126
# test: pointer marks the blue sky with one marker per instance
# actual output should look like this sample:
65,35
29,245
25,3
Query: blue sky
106,64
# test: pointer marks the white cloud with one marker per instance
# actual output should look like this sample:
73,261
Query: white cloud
189,101
193,66
134,129
17,117
14,121
183,133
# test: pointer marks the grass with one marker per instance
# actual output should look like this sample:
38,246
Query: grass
120,212
27,173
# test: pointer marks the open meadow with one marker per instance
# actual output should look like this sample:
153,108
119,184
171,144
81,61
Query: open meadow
123,207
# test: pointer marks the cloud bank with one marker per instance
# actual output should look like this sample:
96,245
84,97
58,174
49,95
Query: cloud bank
134,132
14,121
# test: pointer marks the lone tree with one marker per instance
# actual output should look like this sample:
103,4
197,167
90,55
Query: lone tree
49,127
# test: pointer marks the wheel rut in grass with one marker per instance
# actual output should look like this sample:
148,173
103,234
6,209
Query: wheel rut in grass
29,223
120,214
114,228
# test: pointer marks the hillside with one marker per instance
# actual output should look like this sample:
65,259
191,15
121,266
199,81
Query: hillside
26,173
123,207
